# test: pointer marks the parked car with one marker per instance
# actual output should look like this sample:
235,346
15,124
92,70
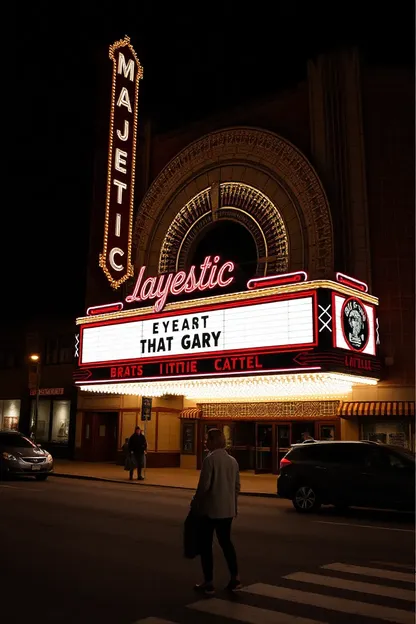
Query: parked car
20,456
362,474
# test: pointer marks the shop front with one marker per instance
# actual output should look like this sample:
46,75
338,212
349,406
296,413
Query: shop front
51,418
259,435
387,422
266,364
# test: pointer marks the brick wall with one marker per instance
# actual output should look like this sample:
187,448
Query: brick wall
388,107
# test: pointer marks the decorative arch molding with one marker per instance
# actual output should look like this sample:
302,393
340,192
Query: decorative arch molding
232,201
259,159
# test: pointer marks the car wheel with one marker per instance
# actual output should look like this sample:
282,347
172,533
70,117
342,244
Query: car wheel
41,477
306,499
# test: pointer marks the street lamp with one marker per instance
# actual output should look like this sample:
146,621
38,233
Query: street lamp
35,357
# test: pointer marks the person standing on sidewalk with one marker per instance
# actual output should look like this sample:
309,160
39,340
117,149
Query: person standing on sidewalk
137,448
215,504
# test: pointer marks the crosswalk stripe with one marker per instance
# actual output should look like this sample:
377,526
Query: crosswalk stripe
247,613
154,620
390,564
334,604
357,586
392,575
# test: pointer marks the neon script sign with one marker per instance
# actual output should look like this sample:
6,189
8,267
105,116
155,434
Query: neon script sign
160,287
115,259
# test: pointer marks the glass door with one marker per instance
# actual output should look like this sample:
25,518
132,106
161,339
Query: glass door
327,431
264,448
283,436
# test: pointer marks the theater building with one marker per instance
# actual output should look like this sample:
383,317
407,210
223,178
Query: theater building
255,280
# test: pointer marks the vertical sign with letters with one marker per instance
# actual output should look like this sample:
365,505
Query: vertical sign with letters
115,259
146,408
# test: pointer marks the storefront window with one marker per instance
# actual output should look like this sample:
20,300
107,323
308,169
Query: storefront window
327,432
44,411
53,421
396,433
188,438
10,414
60,421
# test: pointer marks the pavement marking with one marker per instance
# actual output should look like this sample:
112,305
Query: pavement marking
154,620
247,613
324,601
364,526
16,487
403,566
392,575
357,586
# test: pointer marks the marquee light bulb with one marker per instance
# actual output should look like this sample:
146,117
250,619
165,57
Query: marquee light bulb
324,386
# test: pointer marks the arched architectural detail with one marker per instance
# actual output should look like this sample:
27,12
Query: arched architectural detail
235,201
253,158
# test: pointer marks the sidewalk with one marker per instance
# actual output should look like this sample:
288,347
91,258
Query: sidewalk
251,484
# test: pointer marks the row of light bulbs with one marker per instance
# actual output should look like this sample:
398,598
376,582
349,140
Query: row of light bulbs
262,388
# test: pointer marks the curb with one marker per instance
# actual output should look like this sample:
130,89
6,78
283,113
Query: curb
156,485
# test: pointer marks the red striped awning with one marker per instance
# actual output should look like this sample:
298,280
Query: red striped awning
191,412
395,409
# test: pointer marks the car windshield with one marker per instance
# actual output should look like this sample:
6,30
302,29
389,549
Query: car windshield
15,440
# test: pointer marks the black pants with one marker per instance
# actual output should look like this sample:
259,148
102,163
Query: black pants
222,527
139,457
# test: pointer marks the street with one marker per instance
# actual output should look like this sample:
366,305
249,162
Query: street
80,552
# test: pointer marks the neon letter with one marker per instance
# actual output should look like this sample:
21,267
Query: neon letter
163,294
227,266
118,224
125,135
116,251
133,297
190,284
124,99
204,268
177,287
127,69
121,186
120,157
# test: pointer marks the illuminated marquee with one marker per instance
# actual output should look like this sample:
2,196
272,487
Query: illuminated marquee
115,259
300,328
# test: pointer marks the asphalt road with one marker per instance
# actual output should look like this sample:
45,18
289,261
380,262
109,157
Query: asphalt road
92,552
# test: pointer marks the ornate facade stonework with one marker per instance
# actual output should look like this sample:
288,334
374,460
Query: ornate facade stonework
254,157
299,410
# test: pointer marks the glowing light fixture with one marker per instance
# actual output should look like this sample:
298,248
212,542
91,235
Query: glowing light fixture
259,388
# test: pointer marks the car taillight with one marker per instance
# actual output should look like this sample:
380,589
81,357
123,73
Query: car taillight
284,462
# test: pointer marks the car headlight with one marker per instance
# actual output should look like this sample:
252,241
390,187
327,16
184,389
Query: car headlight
49,458
8,456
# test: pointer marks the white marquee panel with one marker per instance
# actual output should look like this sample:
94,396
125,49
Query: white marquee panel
279,323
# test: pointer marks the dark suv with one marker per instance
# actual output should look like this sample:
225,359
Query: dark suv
363,474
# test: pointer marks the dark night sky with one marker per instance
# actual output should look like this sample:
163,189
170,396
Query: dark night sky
193,63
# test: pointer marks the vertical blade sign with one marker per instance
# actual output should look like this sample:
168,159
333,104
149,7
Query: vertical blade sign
115,260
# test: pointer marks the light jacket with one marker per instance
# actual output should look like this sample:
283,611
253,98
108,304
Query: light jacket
218,487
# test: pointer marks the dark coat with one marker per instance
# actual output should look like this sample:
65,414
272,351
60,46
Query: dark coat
137,444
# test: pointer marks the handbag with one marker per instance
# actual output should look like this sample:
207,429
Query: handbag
191,536
130,463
